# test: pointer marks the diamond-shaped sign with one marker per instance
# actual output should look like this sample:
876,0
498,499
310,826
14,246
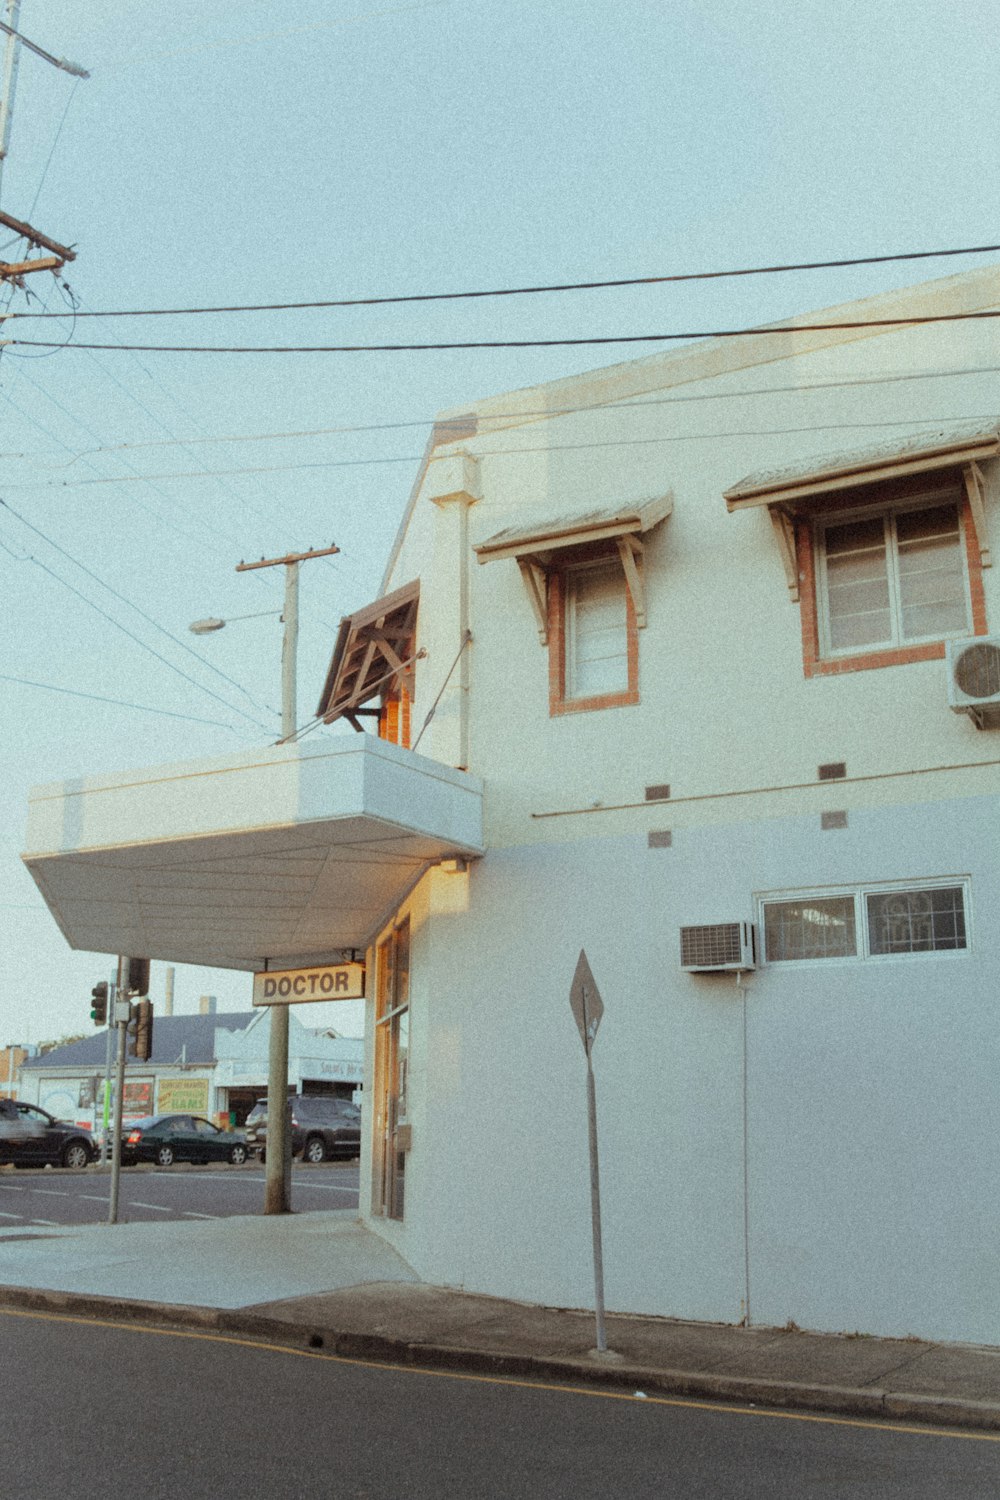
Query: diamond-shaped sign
585,1002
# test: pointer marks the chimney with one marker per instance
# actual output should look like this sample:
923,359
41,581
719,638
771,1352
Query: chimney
206,1005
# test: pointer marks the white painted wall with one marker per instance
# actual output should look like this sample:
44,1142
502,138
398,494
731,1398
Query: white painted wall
851,1186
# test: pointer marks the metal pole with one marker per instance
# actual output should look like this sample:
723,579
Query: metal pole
595,1193
116,1127
106,1140
12,53
278,1166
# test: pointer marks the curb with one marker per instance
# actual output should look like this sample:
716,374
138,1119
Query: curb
869,1403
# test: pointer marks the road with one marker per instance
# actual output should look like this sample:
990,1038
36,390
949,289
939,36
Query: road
45,1197
201,1416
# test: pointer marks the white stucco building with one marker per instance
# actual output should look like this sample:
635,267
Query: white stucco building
677,644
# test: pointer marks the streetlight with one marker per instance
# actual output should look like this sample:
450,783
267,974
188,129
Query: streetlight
205,627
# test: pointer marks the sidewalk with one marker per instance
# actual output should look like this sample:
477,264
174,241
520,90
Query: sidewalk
322,1281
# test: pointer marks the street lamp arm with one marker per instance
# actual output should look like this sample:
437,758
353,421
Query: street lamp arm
205,627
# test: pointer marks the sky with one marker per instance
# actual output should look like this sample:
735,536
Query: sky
274,151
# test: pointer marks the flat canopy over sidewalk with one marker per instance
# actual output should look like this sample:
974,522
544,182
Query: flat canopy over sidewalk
277,857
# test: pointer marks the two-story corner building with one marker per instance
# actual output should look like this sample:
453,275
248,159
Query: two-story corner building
691,663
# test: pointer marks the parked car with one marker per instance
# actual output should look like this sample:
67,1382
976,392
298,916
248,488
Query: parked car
31,1137
168,1138
323,1126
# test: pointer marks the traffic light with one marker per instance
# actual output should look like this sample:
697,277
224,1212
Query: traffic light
137,976
141,1045
99,1003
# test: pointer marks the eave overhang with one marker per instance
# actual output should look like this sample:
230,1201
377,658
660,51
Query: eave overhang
790,491
947,448
541,538
278,857
372,652
536,545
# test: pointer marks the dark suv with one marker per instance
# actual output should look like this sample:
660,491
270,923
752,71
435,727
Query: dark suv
31,1137
323,1126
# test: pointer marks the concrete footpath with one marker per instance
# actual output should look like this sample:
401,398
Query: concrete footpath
322,1281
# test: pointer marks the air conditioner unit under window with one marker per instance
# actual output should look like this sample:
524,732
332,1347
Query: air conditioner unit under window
974,679
718,946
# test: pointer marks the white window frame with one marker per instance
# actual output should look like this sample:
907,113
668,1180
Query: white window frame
928,500
572,572
858,893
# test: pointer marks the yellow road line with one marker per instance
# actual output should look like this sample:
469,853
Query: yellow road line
875,1424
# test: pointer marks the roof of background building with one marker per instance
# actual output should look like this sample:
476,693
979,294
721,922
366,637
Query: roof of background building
174,1037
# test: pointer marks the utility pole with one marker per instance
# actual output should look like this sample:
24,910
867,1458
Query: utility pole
11,55
14,271
278,1165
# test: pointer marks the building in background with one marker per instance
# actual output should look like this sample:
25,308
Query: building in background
210,1065
11,1058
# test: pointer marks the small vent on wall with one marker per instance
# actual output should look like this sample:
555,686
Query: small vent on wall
833,770
658,793
660,838
833,819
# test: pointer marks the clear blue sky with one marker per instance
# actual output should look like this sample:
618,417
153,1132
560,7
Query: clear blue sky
283,150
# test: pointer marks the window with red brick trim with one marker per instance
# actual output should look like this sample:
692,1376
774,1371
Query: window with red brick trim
394,719
887,576
593,634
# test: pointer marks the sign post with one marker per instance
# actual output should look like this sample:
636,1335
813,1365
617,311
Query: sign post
588,1008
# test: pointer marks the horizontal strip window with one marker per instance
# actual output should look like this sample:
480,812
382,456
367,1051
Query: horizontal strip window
866,923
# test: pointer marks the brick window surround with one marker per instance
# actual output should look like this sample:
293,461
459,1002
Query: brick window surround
559,703
814,664
394,717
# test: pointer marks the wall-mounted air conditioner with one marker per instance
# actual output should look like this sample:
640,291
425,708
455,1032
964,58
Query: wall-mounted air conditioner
717,947
974,679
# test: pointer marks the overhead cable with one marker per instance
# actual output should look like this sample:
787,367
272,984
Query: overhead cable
760,331
143,644
130,605
347,429
529,291
144,708
505,452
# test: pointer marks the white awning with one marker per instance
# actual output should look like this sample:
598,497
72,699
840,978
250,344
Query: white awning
287,854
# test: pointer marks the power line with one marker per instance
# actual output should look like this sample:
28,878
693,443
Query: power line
349,429
528,291
915,321
145,708
141,612
143,644
410,458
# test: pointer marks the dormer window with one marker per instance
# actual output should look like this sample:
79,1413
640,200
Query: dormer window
883,549
583,576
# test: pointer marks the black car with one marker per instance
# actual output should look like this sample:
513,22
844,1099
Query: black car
323,1126
165,1139
31,1137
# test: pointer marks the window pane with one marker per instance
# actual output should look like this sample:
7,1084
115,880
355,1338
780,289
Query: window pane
596,631
931,578
857,584
821,927
916,921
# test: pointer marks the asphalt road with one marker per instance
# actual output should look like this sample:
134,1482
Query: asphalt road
55,1196
200,1416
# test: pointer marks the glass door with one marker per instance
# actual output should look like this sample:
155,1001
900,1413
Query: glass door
392,1050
